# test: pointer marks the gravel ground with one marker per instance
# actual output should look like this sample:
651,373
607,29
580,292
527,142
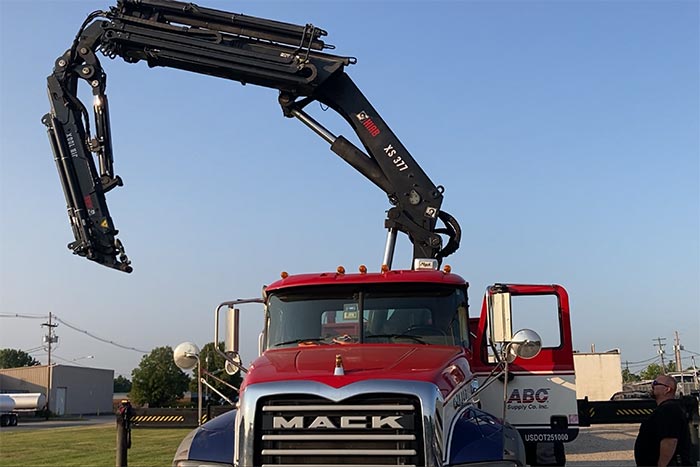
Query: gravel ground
603,445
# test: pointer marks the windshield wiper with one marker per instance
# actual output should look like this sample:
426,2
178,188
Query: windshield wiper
299,341
397,336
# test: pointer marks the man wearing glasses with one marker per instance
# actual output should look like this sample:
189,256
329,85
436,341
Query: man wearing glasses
664,438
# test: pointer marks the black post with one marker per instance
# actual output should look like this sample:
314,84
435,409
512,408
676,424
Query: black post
123,432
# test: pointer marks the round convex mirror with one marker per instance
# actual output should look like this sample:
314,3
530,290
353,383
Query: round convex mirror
185,355
526,344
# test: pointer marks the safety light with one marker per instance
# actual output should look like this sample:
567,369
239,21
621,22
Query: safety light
284,274
447,269
363,269
340,270
385,268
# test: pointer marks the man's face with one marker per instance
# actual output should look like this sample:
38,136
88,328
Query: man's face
660,387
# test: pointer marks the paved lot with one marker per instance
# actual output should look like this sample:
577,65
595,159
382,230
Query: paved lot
603,445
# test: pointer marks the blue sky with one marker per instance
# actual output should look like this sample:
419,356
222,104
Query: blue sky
565,134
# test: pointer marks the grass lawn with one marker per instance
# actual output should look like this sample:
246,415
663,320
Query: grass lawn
87,446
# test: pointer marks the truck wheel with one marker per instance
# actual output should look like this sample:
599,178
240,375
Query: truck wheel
545,453
13,420
3,420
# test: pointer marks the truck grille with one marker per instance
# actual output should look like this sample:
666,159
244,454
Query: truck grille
377,429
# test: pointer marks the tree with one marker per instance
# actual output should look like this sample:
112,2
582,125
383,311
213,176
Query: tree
157,381
122,384
11,358
651,372
629,377
213,363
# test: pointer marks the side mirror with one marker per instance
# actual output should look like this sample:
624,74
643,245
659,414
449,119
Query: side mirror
499,314
526,344
233,359
231,337
186,355
230,353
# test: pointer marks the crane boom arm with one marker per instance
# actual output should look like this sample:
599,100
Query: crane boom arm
283,56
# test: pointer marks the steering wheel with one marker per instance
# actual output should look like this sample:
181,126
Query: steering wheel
426,330
344,339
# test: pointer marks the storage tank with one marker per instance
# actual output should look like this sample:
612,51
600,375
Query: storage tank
7,404
22,401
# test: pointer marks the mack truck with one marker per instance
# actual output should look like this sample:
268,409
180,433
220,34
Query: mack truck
381,367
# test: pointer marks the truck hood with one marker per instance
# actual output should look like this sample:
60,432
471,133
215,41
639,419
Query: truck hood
445,366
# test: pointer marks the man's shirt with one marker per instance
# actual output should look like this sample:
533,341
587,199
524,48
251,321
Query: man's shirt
667,421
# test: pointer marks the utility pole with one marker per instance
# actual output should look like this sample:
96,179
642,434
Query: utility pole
49,339
677,347
661,352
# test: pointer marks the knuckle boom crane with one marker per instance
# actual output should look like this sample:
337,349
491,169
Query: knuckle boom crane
287,57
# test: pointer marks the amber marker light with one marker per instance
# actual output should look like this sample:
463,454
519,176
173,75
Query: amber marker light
385,268
284,275
340,270
363,269
447,269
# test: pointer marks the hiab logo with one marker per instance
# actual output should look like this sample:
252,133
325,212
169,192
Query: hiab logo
529,395
368,123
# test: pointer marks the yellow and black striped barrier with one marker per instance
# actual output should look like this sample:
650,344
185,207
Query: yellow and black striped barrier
642,412
624,411
173,417
141,419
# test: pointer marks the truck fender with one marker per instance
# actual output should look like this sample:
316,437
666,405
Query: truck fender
212,442
477,436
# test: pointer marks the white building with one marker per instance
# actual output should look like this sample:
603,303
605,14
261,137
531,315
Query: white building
598,375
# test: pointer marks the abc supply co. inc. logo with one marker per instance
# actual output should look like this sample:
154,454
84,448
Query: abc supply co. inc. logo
528,399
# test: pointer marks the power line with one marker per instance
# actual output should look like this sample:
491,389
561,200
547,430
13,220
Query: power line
72,362
73,327
17,315
106,341
641,365
643,361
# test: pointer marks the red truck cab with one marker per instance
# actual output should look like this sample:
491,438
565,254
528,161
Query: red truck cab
382,368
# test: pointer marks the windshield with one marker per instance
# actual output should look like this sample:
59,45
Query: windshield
394,313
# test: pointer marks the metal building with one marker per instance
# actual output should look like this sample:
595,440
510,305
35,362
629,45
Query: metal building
74,390
598,374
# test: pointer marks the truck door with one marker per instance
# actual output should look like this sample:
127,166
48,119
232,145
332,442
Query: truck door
540,396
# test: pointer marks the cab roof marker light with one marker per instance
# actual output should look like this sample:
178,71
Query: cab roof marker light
363,269
284,274
385,268
447,269
340,270
425,264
